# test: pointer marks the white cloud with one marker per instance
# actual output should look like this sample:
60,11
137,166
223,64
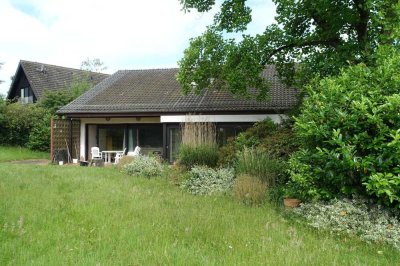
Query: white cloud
123,34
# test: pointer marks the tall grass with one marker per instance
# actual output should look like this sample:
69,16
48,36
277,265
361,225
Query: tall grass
198,133
58,215
260,164
198,144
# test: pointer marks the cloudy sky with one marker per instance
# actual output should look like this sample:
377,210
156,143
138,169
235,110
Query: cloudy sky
124,34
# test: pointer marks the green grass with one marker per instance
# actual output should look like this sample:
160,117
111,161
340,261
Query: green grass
71,215
8,154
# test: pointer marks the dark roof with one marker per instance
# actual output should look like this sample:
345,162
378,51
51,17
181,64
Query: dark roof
158,91
43,77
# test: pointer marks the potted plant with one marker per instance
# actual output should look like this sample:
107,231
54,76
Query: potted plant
290,199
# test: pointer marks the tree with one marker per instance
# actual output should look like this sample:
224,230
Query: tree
310,38
54,100
95,65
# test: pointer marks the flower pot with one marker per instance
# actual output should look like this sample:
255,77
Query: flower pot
291,202
61,163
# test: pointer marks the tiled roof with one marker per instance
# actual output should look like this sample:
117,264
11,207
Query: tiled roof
43,77
157,90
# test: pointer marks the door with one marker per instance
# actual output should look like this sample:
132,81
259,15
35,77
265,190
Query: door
174,139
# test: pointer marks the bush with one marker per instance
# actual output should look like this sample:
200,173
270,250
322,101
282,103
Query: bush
249,189
370,222
124,161
144,166
206,181
349,134
190,156
26,125
259,163
278,140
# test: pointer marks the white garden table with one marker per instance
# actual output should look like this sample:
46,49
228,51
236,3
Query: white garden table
108,155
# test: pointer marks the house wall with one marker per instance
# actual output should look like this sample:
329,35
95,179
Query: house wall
166,120
22,83
277,118
91,134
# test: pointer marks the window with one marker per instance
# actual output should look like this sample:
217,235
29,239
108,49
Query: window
25,98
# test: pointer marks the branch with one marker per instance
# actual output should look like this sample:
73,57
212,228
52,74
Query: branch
329,42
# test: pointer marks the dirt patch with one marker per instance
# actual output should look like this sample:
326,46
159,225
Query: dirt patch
33,162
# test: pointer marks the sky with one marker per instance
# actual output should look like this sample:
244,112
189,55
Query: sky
124,34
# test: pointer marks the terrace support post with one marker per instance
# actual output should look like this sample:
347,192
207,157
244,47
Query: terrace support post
51,139
70,138
165,141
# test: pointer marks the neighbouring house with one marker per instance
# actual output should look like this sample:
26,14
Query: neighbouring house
145,108
32,79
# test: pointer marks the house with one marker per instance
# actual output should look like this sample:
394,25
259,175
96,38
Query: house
32,79
145,108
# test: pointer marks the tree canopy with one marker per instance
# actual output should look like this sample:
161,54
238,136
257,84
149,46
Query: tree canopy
310,38
94,65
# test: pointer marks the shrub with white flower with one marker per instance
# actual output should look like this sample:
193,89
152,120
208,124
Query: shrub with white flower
207,181
144,166
371,222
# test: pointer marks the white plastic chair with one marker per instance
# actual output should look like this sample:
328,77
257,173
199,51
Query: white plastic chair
96,154
136,152
119,155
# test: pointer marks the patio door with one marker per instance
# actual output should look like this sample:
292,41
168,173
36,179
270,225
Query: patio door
111,138
174,139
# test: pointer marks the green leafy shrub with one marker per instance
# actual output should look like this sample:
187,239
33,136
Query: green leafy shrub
207,181
190,156
144,166
278,140
261,164
370,222
249,189
348,130
25,125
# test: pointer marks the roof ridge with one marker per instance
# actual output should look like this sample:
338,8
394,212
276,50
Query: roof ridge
52,65
149,69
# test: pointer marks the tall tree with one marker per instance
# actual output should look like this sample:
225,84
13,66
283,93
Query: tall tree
310,38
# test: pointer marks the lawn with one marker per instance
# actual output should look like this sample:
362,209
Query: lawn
8,154
71,215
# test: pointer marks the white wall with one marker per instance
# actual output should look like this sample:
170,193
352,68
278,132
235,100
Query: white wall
277,118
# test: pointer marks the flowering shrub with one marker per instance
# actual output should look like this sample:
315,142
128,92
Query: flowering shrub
143,166
371,222
206,181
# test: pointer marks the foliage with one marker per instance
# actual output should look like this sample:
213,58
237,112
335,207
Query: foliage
260,164
276,140
95,65
317,38
144,166
349,133
190,156
124,161
249,189
26,125
39,136
54,100
207,181
370,222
